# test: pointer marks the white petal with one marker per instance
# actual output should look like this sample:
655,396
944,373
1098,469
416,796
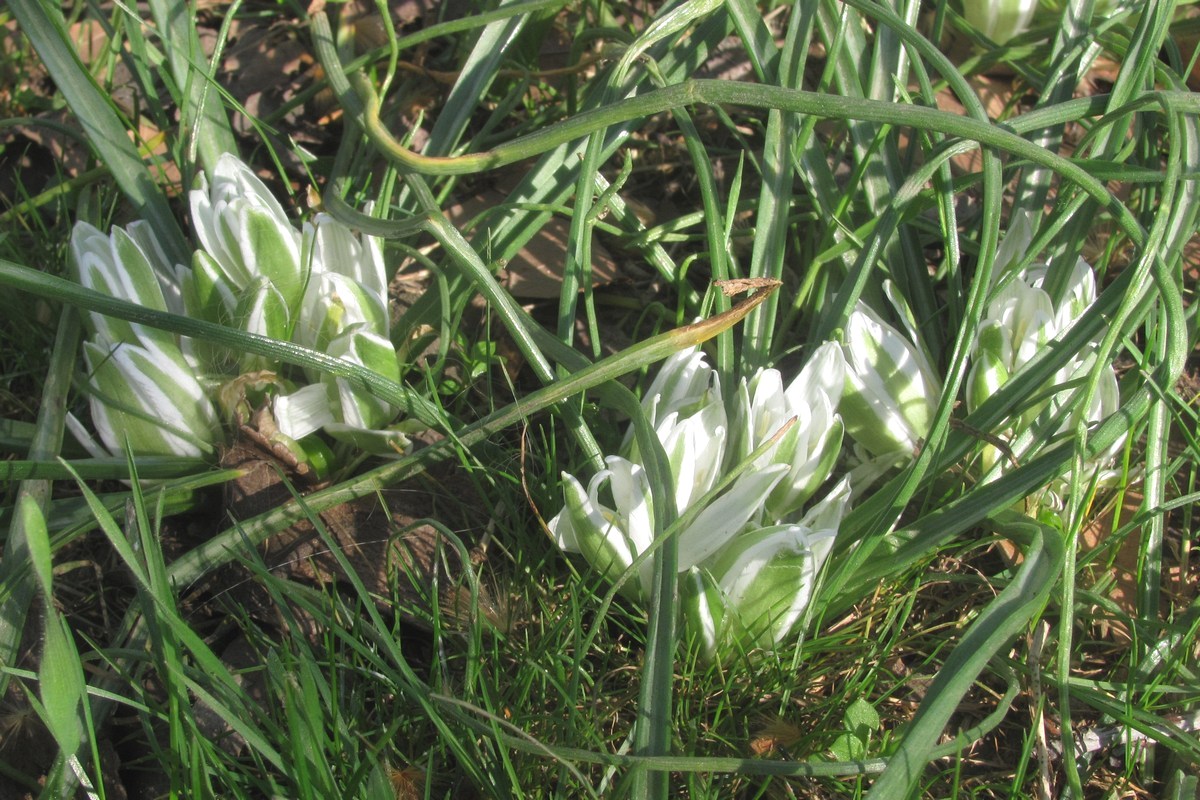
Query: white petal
723,518
304,411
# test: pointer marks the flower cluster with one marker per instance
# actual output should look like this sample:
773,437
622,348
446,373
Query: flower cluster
143,383
761,478
751,553
323,287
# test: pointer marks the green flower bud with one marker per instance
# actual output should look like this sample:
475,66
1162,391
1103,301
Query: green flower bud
1000,20
150,398
811,445
245,230
610,537
891,389
754,592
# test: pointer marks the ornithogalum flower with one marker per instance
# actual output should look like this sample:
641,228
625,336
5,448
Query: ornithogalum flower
148,398
347,287
610,534
812,443
738,543
1022,320
754,592
324,287
891,388
244,234
685,407
143,391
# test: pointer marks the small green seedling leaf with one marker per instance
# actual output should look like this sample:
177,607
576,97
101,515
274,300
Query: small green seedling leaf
861,721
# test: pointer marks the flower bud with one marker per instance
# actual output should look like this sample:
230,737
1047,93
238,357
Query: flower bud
361,419
245,230
150,398
117,266
754,592
891,389
811,445
610,538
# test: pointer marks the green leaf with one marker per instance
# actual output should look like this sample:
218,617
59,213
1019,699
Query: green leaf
38,541
862,719
60,676
991,631
62,688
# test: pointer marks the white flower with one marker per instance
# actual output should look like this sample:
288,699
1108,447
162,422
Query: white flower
812,444
347,286
610,538
1020,321
245,231
684,383
745,578
1000,20
144,390
150,398
891,388
754,592
117,266
686,410
304,411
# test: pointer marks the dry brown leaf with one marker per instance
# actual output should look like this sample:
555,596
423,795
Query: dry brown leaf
774,735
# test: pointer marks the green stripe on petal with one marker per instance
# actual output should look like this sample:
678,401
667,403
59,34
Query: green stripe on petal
270,251
149,400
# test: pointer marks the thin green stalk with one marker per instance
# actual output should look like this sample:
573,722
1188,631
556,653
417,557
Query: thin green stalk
365,106
716,228
1071,53
770,232
515,319
44,470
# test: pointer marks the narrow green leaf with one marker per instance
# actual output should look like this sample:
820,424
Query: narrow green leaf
60,676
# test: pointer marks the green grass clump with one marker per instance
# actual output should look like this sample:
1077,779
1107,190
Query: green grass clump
962,642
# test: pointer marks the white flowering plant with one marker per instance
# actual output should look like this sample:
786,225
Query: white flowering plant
750,543
762,477
323,286
1023,320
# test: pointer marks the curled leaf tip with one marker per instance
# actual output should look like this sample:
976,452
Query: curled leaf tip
705,329
738,285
